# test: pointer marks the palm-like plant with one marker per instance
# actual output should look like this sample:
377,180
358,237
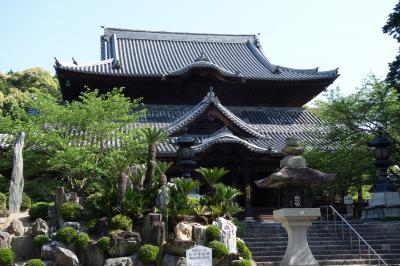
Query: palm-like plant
212,175
152,136
162,168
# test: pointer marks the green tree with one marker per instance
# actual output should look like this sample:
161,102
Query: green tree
87,142
392,28
350,122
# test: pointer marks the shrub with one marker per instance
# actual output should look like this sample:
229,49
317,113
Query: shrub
243,250
148,253
244,262
91,224
213,233
218,249
7,257
70,211
121,222
34,262
39,210
66,235
26,202
3,204
82,241
40,240
104,243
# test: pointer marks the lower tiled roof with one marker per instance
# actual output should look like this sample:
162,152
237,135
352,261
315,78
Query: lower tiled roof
276,124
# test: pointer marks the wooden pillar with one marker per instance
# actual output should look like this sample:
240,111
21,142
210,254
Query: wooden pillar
247,196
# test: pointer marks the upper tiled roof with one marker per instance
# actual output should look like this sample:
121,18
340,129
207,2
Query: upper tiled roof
163,54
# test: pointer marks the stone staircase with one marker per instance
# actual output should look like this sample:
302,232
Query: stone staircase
267,240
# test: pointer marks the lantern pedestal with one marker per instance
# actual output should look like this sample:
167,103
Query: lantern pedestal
296,221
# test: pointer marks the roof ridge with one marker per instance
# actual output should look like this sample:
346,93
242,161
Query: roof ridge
177,32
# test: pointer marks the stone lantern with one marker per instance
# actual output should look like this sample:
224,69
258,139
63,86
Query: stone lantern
296,181
385,200
185,154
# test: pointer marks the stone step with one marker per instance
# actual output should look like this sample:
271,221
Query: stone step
392,258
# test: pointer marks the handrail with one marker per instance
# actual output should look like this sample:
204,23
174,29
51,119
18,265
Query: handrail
360,238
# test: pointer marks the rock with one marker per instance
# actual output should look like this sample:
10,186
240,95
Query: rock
49,263
47,252
16,228
101,228
199,233
154,229
228,233
94,255
39,227
170,260
179,247
5,240
293,161
183,231
75,225
123,261
65,257
124,244
17,178
22,247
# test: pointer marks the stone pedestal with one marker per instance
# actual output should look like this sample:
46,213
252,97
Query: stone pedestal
296,221
382,205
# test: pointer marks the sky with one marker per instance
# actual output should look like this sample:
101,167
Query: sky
299,34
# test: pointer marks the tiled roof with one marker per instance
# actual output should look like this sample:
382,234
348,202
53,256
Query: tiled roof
199,108
163,54
274,125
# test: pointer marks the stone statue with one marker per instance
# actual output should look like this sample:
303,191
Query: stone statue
163,195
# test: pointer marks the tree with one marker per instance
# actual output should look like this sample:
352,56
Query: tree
392,27
88,142
350,122
153,136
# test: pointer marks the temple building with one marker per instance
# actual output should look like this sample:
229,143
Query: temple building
219,88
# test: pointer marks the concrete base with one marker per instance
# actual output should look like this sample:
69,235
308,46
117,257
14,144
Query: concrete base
296,221
387,199
378,213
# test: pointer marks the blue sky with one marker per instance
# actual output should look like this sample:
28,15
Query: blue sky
300,34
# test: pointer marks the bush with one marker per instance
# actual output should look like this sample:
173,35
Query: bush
148,253
40,240
244,262
104,243
7,257
34,262
121,222
243,250
42,188
66,235
39,210
70,211
213,233
26,202
82,241
3,204
91,225
218,249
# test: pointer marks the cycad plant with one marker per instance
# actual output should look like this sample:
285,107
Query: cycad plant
162,168
179,202
212,175
224,200
152,136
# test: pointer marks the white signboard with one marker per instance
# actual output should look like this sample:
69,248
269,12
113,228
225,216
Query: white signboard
199,256
348,199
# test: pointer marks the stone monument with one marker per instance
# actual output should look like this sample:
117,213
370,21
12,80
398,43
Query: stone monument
17,178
